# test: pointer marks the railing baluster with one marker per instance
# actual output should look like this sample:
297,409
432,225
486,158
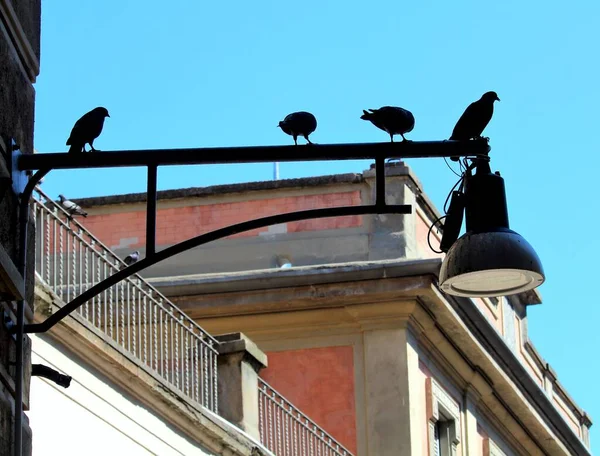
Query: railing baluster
176,354
133,325
110,302
61,263
155,336
99,299
73,265
186,359
47,245
121,320
83,270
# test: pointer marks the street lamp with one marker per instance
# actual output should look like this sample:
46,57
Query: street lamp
490,259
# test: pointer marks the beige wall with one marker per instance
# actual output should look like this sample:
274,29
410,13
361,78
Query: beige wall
94,416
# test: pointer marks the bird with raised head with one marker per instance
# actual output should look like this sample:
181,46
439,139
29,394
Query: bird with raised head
300,123
391,119
71,208
475,118
87,129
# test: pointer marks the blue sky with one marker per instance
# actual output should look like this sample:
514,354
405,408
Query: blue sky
193,74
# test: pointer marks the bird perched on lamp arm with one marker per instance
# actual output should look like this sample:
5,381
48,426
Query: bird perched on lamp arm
87,129
391,119
475,118
300,123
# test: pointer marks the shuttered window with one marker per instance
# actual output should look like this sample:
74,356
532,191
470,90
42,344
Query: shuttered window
436,439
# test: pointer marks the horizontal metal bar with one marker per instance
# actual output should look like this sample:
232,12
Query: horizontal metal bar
253,154
203,239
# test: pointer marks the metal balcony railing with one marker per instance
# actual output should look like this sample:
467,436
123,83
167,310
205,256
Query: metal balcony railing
286,431
131,314
137,318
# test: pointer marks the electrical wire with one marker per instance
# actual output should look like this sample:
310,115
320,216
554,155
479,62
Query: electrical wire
452,169
462,177
438,220
465,167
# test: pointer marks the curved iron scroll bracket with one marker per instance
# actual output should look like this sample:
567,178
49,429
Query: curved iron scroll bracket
209,237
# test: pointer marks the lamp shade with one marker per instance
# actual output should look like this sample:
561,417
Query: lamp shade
493,263
490,259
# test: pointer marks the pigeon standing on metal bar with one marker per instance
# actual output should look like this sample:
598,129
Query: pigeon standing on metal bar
299,124
475,118
391,119
71,208
86,129
133,257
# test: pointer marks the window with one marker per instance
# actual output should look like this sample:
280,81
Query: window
442,443
444,421
436,439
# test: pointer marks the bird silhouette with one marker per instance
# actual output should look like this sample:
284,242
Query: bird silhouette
71,208
86,129
475,118
300,123
391,119
133,257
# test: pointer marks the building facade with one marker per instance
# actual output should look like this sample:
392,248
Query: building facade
19,67
349,313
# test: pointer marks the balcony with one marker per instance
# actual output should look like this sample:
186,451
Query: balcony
141,324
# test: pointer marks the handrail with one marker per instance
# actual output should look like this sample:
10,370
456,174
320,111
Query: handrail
131,313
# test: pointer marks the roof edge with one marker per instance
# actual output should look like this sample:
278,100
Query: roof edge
213,190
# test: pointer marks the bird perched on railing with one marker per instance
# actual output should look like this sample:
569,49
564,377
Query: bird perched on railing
133,257
391,119
86,129
71,208
475,118
300,123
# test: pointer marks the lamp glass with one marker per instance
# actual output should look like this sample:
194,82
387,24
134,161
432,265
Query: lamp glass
495,263
492,283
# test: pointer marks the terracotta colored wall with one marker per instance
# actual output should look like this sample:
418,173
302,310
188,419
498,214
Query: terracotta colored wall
180,223
320,382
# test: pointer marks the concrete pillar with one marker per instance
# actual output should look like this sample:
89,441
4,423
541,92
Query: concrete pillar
394,236
239,363
471,436
388,413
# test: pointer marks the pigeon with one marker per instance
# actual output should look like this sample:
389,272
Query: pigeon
475,118
71,208
86,129
299,123
133,257
391,119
